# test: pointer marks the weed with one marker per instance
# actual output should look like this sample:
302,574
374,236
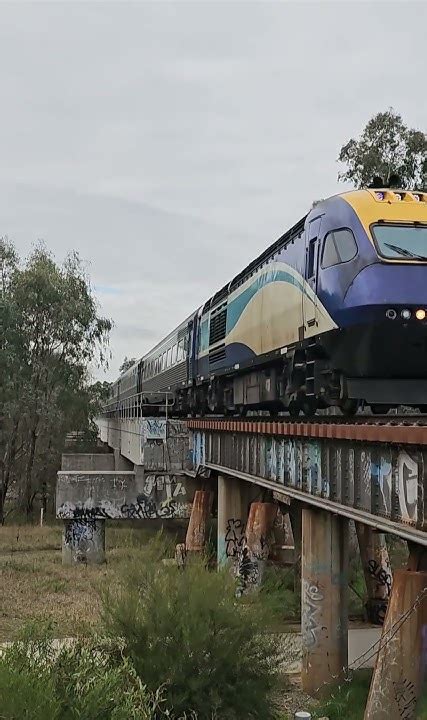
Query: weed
89,680
185,631
347,700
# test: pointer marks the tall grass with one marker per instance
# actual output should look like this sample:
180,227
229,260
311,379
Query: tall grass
79,681
347,700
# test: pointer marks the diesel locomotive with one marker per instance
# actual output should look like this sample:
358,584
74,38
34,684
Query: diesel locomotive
334,313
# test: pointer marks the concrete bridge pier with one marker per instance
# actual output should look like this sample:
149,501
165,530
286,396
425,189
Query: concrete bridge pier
377,571
83,542
195,540
400,674
234,498
256,546
324,601
121,462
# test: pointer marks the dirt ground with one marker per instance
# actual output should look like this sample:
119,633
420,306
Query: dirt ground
34,585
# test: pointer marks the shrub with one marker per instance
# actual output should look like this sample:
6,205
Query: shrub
185,631
81,681
26,692
348,700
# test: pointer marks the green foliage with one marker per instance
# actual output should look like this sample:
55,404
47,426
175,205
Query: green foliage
348,700
278,594
386,147
126,364
82,681
421,711
51,331
185,631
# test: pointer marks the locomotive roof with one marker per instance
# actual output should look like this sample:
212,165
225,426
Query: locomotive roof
387,205
271,250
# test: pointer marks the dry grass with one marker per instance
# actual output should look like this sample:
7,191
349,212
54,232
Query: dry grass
35,585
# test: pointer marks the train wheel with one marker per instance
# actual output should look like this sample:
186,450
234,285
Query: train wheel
309,407
294,409
241,410
380,409
349,406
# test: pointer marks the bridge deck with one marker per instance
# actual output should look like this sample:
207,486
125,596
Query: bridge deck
373,473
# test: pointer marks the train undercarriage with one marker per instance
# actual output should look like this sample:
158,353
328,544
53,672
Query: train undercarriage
343,370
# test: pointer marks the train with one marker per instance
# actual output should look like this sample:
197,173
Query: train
332,314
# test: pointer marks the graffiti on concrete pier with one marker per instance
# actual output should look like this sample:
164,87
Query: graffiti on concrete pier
234,535
312,608
162,496
406,697
381,575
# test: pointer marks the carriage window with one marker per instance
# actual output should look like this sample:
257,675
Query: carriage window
339,247
311,258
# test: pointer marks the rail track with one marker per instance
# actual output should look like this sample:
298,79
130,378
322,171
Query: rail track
401,429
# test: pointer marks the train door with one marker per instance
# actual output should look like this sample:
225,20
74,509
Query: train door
191,348
310,300
139,376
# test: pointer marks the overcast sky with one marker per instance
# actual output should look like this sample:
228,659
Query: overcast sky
170,142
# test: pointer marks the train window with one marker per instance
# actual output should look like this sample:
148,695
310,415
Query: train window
311,258
339,247
169,358
401,241
179,351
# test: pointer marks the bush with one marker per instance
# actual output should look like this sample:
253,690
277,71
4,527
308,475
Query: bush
185,631
348,700
82,681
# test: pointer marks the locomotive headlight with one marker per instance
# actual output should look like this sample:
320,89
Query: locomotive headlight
420,314
391,314
405,314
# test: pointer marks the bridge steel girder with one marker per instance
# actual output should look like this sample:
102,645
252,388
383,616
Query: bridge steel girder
380,484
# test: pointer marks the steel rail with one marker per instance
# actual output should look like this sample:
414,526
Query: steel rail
402,434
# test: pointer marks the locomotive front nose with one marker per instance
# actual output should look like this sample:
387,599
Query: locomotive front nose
390,287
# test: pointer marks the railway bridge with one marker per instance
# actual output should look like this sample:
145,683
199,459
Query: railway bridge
253,474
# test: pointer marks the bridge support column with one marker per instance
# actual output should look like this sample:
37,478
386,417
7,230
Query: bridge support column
196,532
324,614
120,462
83,542
233,506
256,546
377,571
295,515
400,673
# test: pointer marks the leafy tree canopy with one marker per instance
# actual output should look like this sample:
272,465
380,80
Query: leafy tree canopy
386,148
51,334
126,364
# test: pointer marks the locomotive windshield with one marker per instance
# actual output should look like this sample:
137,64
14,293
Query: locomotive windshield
401,241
